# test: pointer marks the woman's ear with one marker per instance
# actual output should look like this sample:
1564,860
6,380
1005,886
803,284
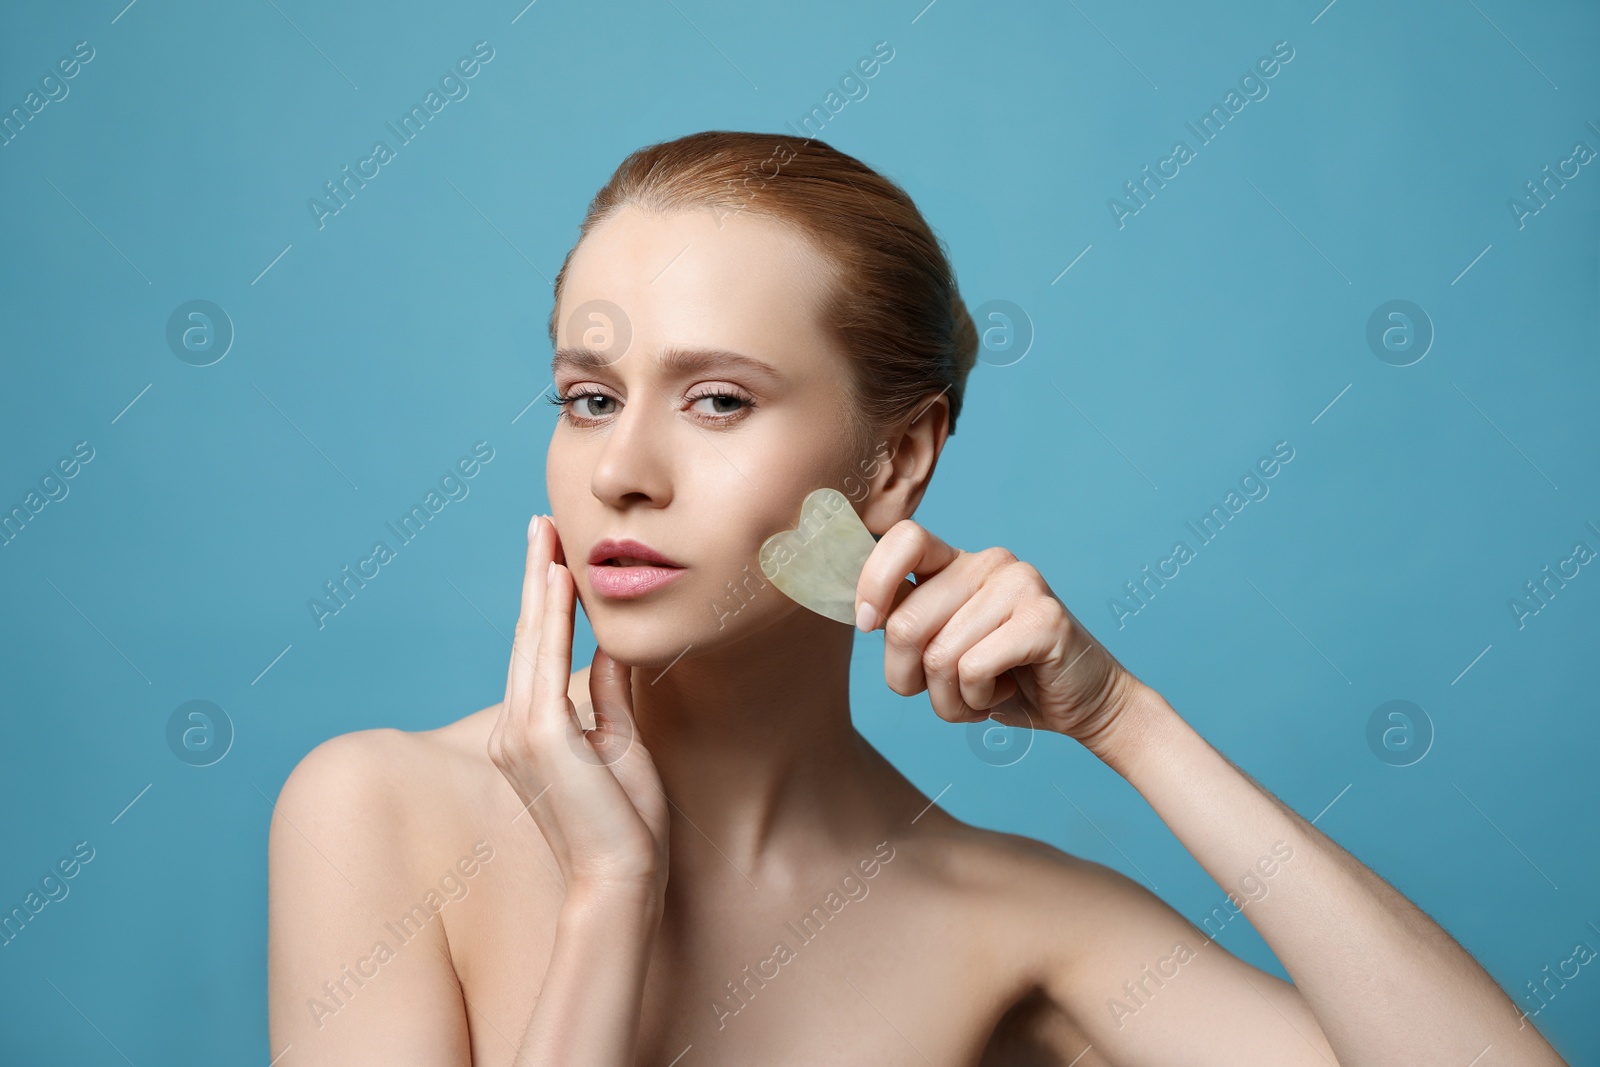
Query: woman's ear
898,472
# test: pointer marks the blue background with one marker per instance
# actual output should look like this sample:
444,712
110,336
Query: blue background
1228,314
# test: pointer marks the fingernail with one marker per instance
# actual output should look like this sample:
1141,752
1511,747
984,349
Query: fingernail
867,618
533,526
550,572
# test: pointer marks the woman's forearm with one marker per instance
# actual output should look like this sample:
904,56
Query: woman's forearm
587,1014
1382,979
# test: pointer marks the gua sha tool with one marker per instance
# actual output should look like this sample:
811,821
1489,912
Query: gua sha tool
818,563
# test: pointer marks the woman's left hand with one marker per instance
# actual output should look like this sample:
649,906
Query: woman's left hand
985,636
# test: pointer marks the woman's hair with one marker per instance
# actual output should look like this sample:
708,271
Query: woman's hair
893,306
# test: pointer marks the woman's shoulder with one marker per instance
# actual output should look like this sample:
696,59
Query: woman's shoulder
1069,919
1041,890
351,772
990,861
360,832
389,763
415,781
375,796
383,766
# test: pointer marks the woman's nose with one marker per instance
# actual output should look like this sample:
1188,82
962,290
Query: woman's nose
635,461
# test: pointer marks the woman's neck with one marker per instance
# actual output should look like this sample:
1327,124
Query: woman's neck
758,755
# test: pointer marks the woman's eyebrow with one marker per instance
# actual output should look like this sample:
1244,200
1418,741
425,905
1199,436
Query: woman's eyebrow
669,360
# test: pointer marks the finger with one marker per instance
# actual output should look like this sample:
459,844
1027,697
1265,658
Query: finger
906,549
611,689
956,695
557,551
525,642
927,611
605,731
611,727
1021,641
550,707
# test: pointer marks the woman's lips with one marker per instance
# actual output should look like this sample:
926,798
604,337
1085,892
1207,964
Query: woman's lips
610,580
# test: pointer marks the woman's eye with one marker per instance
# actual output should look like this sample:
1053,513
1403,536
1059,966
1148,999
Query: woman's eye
591,408
591,399
722,403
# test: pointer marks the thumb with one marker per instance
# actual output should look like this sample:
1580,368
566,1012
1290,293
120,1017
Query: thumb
611,694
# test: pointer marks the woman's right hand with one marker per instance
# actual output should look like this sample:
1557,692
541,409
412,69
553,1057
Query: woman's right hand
595,795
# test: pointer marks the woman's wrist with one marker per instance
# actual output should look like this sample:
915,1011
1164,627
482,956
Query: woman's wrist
587,1010
614,901
1135,730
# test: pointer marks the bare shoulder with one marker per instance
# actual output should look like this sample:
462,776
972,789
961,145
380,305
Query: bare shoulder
351,766
360,831
337,791
349,834
1066,915
382,784
364,811
1100,949
1019,866
399,797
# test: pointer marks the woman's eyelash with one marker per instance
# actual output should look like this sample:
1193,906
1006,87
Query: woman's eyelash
712,393
562,400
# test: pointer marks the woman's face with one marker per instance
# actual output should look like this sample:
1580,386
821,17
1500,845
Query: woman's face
700,458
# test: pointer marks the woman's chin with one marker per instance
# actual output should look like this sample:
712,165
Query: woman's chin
656,642
643,647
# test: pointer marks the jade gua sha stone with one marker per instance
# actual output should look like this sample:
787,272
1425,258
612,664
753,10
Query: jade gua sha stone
818,563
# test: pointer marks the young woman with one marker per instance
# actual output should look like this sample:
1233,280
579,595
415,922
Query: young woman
722,870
